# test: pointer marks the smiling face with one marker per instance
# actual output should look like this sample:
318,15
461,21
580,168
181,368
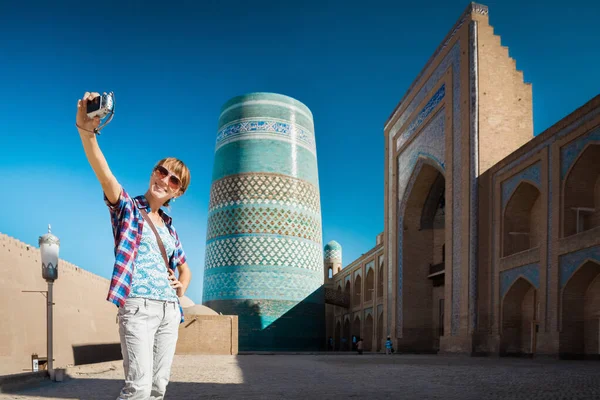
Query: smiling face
169,179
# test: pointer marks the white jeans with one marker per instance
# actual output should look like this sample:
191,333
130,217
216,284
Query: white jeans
148,331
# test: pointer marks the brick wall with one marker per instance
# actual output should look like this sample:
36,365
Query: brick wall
208,334
560,329
85,328
505,101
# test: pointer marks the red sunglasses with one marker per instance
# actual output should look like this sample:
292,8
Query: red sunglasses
162,173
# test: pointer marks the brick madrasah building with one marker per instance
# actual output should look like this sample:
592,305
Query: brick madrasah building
492,236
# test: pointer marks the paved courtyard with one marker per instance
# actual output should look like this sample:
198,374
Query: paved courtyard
344,376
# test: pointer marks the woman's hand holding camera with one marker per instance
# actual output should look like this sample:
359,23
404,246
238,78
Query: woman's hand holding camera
82,121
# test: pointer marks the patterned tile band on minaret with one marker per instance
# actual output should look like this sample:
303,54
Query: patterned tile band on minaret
264,257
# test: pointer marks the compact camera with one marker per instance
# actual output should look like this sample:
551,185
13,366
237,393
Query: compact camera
101,106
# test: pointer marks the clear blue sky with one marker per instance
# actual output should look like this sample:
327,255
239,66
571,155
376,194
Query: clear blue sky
350,63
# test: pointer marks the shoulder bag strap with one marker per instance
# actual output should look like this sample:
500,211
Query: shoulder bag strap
158,239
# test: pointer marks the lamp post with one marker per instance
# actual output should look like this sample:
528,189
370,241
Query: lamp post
49,246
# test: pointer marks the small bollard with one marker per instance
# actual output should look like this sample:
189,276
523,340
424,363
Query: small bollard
59,374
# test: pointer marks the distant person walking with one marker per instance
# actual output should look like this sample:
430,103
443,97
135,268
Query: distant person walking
147,252
389,349
359,346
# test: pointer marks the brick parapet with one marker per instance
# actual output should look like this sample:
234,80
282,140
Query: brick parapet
32,252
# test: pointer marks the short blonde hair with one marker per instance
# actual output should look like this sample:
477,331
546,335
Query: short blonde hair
177,167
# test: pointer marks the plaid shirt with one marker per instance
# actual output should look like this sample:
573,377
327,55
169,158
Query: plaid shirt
127,224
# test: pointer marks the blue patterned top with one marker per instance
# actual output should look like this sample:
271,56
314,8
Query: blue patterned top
150,277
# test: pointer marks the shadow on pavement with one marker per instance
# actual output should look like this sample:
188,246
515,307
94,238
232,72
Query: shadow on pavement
108,389
293,377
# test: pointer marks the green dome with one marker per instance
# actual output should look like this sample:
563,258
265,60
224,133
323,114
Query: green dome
333,251
333,245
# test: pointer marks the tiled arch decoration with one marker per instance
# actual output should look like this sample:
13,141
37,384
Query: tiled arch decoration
369,311
358,274
530,272
568,263
530,174
429,144
570,153
370,266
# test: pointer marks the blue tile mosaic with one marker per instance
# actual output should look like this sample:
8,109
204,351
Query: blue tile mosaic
531,272
531,174
264,253
570,152
474,173
268,219
263,250
256,129
267,156
263,104
457,185
423,114
568,263
260,188
429,144
259,282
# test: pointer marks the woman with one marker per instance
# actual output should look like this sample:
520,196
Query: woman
145,290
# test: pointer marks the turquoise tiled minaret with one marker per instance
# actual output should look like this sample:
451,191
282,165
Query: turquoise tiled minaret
264,258
333,259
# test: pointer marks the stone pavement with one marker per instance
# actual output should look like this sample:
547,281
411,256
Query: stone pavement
344,376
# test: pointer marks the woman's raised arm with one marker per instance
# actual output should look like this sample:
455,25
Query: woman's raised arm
85,126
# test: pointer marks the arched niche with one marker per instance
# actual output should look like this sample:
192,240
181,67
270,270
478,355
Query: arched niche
580,311
522,220
581,192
